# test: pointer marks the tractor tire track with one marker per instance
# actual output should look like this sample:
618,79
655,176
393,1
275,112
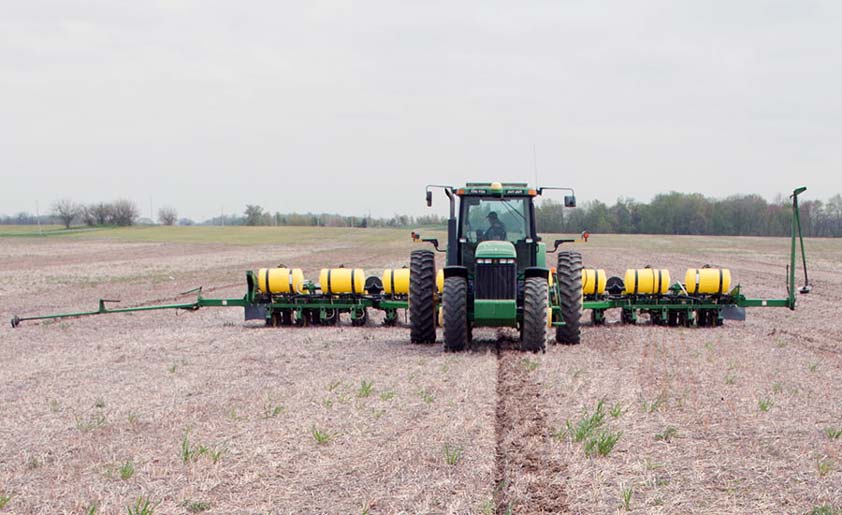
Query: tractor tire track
529,478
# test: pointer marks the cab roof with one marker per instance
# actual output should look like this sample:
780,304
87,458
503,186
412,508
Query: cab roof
508,189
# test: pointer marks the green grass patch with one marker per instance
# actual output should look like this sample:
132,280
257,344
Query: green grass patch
366,387
824,466
652,465
452,454
90,423
235,235
602,444
589,429
333,385
427,397
187,452
627,495
529,364
666,435
192,453
126,470
196,506
588,424
657,404
141,506
765,404
23,231
270,408
834,433
320,436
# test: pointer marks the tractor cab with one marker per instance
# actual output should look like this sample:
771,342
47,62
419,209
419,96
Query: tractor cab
491,225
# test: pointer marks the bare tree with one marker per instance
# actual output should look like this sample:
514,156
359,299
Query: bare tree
66,211
124,212
167,215
86,213
102,213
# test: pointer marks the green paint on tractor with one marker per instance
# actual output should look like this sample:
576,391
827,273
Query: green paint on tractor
495,250
494,313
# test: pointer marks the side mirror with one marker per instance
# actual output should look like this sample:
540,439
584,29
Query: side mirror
569,201
429,198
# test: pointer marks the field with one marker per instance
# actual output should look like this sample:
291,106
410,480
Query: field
202,412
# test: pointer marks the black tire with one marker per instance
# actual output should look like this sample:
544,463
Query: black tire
657,318
331,317
455,306
422,296
533,333
569,272
361,321
313,317
284,317
390,322
272,321
626,316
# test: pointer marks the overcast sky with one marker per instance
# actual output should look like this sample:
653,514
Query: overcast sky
352,107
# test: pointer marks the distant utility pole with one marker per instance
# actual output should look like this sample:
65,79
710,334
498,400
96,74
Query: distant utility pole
222,215
151,211
38,219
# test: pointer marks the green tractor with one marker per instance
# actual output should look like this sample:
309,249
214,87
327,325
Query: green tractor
496,272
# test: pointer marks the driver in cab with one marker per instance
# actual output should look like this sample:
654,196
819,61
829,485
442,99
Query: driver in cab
496,230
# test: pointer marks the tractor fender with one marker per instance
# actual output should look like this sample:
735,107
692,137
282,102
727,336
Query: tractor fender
455,271
536,271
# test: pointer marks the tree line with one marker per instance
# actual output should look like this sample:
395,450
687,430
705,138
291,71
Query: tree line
255,215
692,213
121,213
667,213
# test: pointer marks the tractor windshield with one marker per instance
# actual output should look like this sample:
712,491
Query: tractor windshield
503,219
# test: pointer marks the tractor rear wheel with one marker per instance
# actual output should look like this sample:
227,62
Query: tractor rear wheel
569,272
422,300
534,328
455,306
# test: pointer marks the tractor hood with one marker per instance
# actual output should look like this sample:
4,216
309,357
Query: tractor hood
495,250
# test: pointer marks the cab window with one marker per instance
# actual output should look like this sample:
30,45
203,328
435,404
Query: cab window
495,219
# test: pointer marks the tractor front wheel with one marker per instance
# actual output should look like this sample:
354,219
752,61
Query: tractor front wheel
455,309
422,296
534,328
569,272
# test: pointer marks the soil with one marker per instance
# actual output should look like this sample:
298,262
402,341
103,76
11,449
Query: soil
210,412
